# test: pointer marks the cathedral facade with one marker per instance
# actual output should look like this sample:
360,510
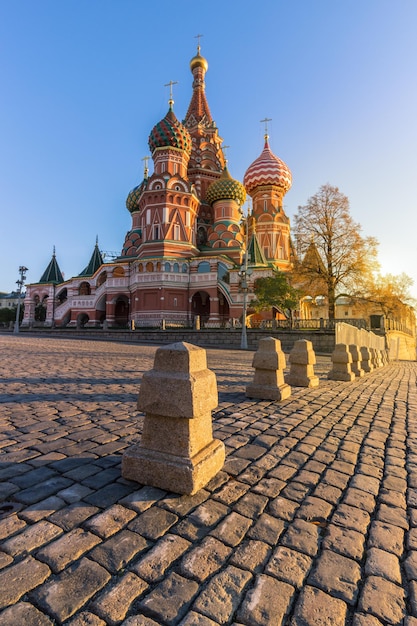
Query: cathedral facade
190,249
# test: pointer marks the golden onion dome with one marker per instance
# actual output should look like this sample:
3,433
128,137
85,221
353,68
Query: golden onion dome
198,61
226,188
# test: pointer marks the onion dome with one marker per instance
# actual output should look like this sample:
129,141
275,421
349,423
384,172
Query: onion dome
132,200
267,169
169,132
198,61
226,188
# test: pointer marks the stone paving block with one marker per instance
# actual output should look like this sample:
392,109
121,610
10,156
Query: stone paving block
74,493
206,559
5,560
34,477
10,525
267,603
345,541
295,491
70,590
251,555
31,537
113,604
43,490
383,599
116,552
169,602
384,564
140,620
365,620
67,549
232,529
351,517
143,498
181,505
251,505
386,537
316,608
17,580
303,536
232,491
283,508
314,509
73,515
110,521
85,618
24,613
42,509
108,495
196,619
153,522
220,598
359,499
267,529
156,561
393,515
290,566
336,575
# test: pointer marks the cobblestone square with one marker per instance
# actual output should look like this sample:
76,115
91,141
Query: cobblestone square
311,522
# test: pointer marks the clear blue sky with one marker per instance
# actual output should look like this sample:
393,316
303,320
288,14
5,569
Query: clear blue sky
82,85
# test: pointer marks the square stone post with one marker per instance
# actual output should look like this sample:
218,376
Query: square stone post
177,451
269,363
302,360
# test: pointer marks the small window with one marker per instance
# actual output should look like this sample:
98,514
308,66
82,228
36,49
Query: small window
175,302
176,232
203,267
156,231
167,267
176,268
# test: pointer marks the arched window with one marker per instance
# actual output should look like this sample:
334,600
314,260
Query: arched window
167,267
204,267
149,267
176,268
84,289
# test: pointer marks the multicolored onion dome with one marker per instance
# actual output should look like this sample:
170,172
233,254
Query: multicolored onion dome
198,61
170,132
267,169
132,200
226,188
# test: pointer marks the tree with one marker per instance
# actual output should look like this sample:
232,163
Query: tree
391,294
338,256
275,291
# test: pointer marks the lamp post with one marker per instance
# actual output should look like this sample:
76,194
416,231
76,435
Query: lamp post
20,283
244,274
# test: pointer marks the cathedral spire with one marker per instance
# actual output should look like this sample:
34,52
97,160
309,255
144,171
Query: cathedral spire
199,108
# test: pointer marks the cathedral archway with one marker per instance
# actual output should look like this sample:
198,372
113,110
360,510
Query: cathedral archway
200,305
121,311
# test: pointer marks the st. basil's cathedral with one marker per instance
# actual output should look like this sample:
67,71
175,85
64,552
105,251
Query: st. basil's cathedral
189,239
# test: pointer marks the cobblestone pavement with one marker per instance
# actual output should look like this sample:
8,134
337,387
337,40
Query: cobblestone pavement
312,522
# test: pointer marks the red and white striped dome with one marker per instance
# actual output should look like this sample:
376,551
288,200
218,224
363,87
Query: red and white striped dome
267,169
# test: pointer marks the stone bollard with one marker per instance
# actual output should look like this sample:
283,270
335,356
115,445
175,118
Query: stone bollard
302,359
269,363
366,359
177,451
356,360
375,358
342,364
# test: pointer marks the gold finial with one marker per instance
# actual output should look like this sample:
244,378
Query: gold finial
224,148
265,121
198,37
170,84
146,170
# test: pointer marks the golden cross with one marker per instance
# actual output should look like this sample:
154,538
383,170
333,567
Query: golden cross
265,121
224,148
146,159
198,44
170,84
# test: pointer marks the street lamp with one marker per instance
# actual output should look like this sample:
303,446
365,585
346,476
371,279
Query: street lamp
245,273
20,283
